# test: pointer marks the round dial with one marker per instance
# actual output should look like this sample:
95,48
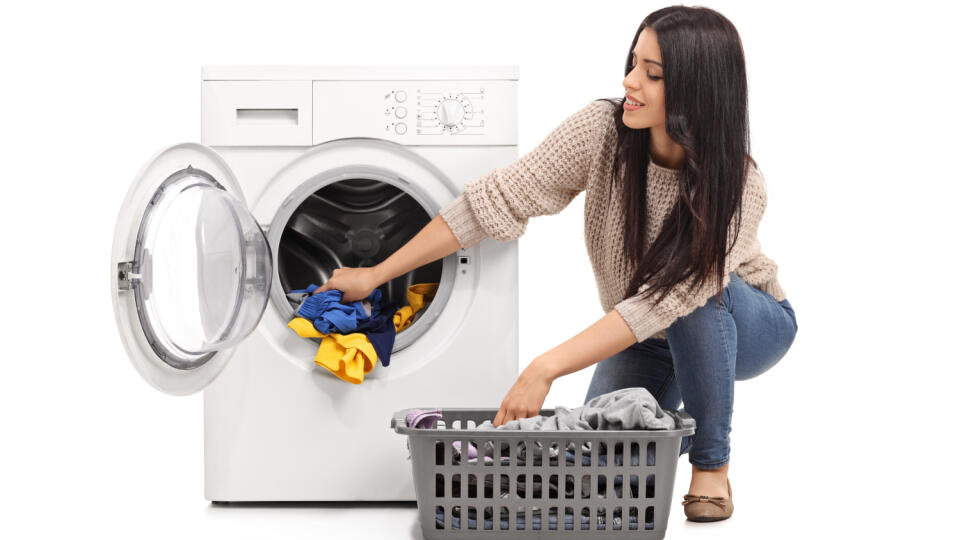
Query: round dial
450,112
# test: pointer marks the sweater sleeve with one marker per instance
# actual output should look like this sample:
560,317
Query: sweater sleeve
543,181
645,319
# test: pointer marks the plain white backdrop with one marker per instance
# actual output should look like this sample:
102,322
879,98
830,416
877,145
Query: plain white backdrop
854,124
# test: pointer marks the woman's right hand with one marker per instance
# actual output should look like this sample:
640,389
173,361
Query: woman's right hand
355,283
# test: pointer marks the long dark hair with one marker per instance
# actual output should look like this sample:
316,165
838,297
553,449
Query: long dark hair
706,113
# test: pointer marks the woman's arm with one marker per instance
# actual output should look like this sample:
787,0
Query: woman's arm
434,241
602,339
498,205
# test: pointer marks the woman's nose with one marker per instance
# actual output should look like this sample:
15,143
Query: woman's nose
630,82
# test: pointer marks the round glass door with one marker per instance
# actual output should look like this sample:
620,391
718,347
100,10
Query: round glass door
192,269
204,266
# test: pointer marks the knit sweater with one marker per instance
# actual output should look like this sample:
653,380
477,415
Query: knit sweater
578,156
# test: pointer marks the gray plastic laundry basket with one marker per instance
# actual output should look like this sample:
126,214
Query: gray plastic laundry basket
587,484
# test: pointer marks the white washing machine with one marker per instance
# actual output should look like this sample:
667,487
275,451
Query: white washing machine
302,170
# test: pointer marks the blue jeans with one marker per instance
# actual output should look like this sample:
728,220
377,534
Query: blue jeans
737,338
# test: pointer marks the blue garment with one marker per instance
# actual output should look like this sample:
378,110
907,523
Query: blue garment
718,343
381,332
329,315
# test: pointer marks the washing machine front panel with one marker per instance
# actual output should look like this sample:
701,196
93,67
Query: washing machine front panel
190,269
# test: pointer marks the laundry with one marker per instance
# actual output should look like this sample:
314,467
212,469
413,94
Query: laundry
348,356
419,296
329,314
365,334
381,332
537,521
632,408
423,418
365,330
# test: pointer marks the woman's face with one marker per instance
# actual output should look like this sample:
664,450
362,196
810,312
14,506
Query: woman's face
644,84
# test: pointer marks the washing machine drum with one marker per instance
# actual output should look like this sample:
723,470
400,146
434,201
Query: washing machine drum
352,223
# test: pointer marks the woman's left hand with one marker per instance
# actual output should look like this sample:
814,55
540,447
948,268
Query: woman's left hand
525,398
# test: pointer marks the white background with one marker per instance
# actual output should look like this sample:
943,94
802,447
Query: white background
853,121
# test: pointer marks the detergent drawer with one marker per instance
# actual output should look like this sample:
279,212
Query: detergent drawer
256,113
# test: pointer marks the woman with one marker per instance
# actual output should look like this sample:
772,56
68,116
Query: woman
673,203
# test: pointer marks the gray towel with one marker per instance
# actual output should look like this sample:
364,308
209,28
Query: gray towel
627,408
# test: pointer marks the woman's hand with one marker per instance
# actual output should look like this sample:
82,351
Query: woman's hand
355,283
525,398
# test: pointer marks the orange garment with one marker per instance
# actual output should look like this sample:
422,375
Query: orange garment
348,356
418,294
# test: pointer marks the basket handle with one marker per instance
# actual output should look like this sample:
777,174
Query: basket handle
399,420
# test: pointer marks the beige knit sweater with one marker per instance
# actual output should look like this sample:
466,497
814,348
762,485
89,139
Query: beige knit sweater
577,156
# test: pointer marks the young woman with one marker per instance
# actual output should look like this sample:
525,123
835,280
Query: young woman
673,203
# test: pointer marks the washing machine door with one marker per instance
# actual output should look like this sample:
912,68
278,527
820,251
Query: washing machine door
190,270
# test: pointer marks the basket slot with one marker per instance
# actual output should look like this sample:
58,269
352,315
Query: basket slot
472,486
471,514
455,485
651,482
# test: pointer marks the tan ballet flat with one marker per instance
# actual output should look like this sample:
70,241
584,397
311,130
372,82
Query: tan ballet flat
703,508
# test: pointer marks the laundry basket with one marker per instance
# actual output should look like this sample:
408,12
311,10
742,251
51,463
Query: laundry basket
540,484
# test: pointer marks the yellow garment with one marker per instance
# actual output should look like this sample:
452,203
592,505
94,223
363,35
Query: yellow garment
351,356
348,356
417,295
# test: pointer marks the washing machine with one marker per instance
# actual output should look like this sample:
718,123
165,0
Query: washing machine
301,170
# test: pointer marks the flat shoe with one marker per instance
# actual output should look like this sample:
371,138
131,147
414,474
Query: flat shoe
703,508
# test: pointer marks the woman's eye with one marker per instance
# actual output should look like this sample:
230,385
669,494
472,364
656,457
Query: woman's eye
653,77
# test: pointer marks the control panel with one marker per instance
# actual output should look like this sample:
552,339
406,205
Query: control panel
416,112
436,112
